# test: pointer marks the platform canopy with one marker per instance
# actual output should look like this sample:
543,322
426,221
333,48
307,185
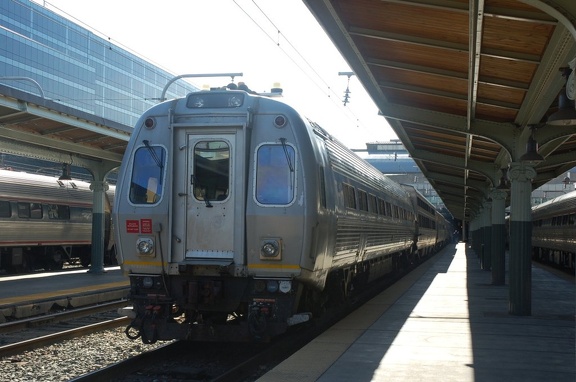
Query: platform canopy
36,127
466,85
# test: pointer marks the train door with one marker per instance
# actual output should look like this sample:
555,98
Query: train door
215,207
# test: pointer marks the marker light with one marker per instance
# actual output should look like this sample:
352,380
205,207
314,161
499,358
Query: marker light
272,286
150,123
259,286
285,286
147,282
280,121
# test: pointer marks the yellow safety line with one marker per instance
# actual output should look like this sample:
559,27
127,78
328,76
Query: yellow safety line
252,266
63,293
273,266
145,263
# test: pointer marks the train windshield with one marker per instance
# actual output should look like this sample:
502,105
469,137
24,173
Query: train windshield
275,174
146,185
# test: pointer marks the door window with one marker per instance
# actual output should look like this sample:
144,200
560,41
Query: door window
211,174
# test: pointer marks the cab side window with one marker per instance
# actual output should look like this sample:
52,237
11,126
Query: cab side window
275,174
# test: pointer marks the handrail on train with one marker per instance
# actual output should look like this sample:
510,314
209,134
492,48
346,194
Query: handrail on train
163,96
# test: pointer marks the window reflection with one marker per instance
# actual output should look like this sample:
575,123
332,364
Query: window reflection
275,175
146,185
211,176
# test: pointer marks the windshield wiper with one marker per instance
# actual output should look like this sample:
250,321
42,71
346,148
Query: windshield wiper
283,141
153,153
155,157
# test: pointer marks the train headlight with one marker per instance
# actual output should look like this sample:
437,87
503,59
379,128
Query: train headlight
229,99
145,246
235,101
270,249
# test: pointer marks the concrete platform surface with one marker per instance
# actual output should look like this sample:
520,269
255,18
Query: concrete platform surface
29,295
446,322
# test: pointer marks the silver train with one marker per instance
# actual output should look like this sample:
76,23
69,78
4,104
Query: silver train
236,217
45,222
554,232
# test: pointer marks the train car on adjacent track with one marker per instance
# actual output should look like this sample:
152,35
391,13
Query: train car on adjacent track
236,217
432,229
554,232
45,222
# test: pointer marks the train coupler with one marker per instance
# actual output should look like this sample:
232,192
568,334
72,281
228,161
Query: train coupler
132,332
145,325
260,312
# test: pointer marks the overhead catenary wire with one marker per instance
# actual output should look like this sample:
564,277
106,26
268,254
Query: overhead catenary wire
332,95
279,39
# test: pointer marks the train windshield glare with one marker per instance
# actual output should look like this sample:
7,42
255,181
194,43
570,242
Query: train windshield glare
146,184
275,175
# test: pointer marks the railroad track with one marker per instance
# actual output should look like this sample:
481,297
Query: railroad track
217,362
182,360
22,335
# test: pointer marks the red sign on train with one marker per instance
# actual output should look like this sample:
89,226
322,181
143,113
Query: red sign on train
132,226
139,226
146,225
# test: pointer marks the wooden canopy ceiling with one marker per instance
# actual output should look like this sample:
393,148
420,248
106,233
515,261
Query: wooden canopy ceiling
463,83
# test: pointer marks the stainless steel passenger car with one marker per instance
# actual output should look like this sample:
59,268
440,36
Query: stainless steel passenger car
45,222
236,217
432,231
554,231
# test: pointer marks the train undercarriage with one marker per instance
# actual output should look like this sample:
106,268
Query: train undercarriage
564,260
50,258
244,309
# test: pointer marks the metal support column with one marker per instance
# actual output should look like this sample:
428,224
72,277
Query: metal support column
498,237
473,243
487,235
99,189
521,175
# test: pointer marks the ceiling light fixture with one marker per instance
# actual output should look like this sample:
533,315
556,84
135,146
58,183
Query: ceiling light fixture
566,114
531,156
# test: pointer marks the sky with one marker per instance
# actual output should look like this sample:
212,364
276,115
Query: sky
269,41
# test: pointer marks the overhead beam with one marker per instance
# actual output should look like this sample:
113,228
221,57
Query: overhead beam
450,74
53,115
488,170
439,44
449,179
61,146
32,151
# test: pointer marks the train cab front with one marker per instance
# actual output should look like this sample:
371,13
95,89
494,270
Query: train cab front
210,219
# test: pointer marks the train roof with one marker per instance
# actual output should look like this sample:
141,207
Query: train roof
567,201
18,185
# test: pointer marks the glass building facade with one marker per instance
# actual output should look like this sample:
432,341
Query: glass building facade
75,67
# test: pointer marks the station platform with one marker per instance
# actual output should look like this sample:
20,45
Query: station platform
24,296
446,322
